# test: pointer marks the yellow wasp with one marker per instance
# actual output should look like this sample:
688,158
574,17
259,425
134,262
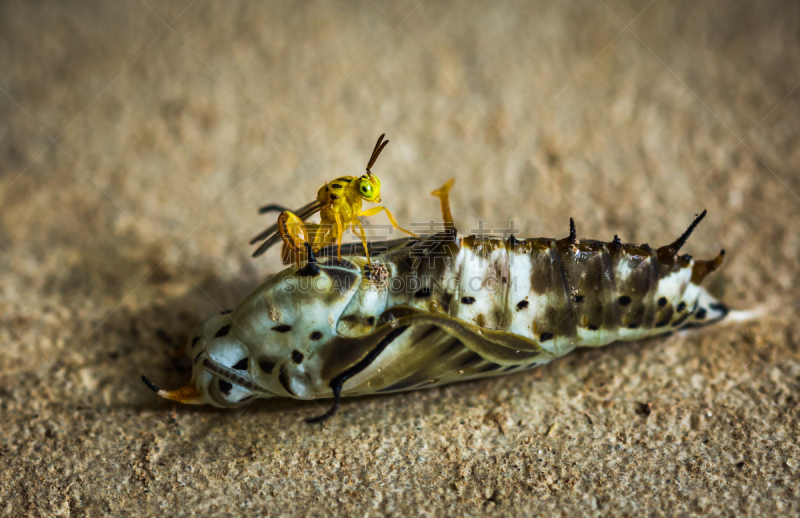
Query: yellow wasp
339,205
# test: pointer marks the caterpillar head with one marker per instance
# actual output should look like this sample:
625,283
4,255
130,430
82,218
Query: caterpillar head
270,344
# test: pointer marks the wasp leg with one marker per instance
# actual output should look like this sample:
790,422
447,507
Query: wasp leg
363,236
443,193
322,235
375,210
339,235
294,234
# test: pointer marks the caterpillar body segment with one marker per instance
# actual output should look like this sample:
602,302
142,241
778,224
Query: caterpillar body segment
428,311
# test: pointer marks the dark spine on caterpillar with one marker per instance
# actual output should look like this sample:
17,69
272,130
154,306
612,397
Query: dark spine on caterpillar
581,286
614,286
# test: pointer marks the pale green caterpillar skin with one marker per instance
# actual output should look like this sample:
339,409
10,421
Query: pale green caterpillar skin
438,310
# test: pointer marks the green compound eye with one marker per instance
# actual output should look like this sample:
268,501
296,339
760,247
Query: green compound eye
365,188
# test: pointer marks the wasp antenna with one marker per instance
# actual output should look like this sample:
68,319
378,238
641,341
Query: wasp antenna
573,235
379,145
685,236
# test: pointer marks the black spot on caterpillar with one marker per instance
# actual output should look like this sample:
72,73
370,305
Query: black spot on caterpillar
283,328
266,365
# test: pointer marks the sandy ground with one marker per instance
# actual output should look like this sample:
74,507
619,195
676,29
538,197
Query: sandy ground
137,139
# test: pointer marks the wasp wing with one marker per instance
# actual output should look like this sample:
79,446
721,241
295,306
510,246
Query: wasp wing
376,248
272,207
270,236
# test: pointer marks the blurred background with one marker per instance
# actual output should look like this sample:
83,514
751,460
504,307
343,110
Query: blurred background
138,138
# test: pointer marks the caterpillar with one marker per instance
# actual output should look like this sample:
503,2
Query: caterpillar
438,309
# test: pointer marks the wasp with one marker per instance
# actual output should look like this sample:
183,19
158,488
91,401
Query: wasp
339,204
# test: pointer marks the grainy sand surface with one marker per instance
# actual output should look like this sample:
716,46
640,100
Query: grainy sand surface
137,139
